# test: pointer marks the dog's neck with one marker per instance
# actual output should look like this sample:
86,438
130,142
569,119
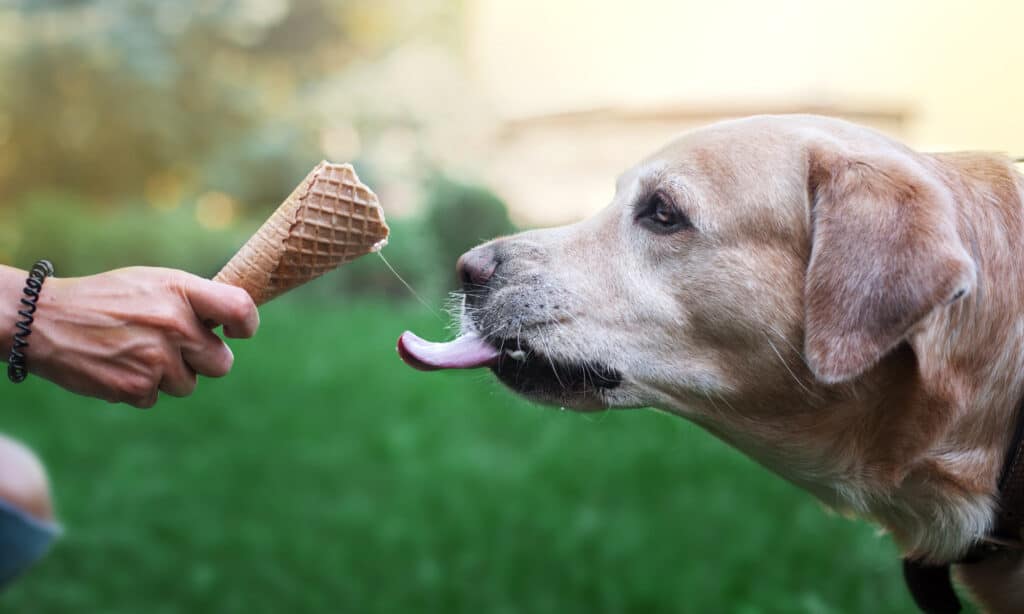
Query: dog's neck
918,443
970,355
952,411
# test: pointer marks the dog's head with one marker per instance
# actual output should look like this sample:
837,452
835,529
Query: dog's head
745,267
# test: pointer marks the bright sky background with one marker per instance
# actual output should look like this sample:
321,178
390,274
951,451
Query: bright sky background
957,67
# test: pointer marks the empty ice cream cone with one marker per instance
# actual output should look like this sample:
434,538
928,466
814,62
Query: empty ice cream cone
331,218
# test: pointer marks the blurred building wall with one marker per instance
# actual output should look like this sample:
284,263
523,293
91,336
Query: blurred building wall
607,82
561,167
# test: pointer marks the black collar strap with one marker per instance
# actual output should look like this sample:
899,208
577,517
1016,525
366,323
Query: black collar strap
930,587
929,584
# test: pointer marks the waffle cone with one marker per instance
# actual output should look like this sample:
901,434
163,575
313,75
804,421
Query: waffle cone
331,218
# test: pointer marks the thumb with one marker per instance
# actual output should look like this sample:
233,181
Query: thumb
223,304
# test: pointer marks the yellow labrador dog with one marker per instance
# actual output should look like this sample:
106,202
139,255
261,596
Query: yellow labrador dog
845,310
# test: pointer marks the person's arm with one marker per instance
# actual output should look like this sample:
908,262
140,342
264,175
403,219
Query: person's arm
127,334
11,283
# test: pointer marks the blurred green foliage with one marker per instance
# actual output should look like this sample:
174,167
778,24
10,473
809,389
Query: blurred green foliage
323,476
102,96
461,215
81,238
423,249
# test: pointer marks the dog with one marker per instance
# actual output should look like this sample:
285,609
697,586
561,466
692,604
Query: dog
847,311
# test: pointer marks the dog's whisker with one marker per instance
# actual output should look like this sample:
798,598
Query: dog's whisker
726,401
789,343
786,365
712,401
546,351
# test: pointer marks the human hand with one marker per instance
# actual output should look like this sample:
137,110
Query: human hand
127,334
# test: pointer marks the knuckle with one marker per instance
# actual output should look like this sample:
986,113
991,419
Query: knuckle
111,389
136,387
152,357
170,277
170,319
176,326
145,402
186,385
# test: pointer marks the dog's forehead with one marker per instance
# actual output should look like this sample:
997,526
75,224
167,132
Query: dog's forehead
696,163
714,153
735,176
641,177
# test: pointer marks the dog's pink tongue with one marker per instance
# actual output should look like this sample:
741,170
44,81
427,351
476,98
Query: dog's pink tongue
467,352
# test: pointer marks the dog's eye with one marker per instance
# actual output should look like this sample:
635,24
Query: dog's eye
659,214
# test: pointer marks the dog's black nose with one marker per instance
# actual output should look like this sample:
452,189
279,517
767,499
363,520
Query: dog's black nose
476,267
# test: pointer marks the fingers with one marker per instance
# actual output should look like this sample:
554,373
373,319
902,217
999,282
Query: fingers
190,351
130,334
207,354
184,348
223,304
179,380
200,352
145,402
138,390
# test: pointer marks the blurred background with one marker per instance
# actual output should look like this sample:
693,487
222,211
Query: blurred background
323,476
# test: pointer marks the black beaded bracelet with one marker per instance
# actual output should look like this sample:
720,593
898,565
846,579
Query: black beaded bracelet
16,369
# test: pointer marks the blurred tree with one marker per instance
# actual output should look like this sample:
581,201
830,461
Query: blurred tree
120,98
461,215
86,241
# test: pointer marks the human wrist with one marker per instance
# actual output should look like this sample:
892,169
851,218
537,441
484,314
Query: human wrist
49,335
12,281
26,311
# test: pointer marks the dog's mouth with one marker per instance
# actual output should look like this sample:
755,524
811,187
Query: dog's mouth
518,365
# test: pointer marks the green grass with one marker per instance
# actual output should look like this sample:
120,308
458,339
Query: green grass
324,476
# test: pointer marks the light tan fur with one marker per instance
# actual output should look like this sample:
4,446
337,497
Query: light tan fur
847,311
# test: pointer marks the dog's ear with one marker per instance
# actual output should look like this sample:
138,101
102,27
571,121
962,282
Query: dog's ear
885,253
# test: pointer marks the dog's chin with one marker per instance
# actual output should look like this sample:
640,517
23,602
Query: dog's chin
580,385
